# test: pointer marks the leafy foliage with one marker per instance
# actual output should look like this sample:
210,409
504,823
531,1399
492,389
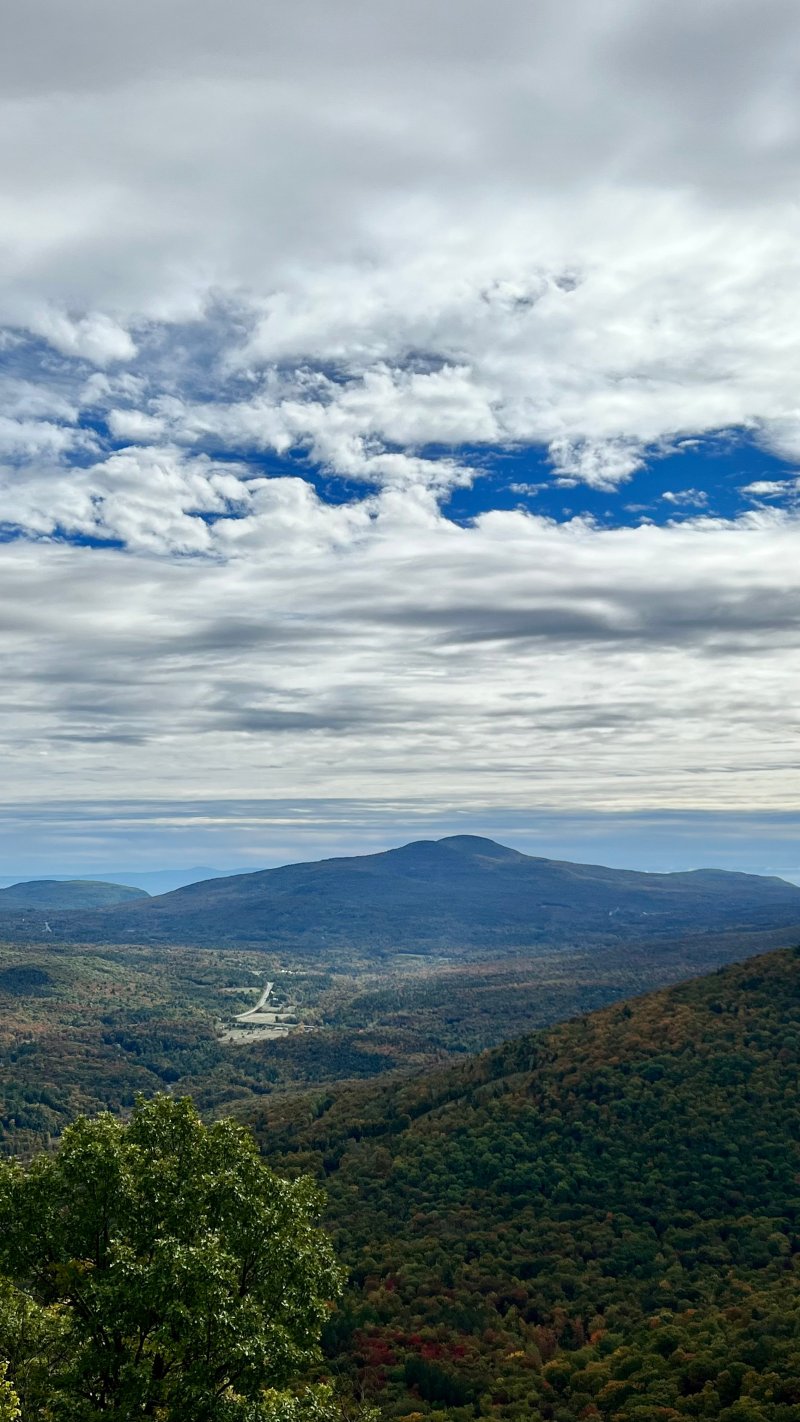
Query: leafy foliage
84,1030
9,1402
596,1222
159,1269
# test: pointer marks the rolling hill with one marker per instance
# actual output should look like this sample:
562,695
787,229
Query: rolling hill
153,881
66,894
600,1221
462,892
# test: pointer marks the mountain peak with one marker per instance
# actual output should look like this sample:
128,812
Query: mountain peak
478,844
449,895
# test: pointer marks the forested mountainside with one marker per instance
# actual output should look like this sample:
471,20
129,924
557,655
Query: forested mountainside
446,895
595,1222
83,1029
46,894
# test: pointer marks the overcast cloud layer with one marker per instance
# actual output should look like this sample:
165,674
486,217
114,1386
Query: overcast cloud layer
276,283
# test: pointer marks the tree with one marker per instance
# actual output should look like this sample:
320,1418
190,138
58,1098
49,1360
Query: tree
182,1280
9,1402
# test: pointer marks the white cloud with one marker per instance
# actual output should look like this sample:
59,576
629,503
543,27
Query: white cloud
151,499
772,488
377,650
602,464
583,215
135,425
28,439
96,337
382,238
688,498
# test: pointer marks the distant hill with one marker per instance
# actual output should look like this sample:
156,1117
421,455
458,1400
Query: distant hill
153,881
600,1221
66,894
457,893
163,881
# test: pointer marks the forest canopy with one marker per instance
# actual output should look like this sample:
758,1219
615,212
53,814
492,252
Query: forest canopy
159,1268
601,1221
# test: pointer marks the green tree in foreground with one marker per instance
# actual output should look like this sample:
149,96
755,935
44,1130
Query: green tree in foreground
9,1402
160,1269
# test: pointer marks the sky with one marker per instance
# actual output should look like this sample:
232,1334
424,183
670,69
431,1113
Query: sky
400,430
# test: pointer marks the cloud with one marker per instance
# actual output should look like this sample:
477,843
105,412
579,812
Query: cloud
368,196
155,498
772,488
688,498
250,250
95,337
388,653
30,439
239,833
135,425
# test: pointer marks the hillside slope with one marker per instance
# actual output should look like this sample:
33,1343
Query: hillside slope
66,894
599,1221
460,892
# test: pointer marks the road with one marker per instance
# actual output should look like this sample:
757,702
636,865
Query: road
254,1011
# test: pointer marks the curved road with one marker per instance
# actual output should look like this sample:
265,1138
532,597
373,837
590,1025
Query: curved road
254,1011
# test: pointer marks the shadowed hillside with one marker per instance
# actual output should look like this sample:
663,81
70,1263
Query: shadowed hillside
66,894
599,1221
445,895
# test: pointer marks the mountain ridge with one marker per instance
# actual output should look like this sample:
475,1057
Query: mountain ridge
153,881
460,892
600,1220
67,894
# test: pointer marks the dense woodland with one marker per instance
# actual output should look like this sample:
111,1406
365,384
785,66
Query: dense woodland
600,1221
83,1029
595,1221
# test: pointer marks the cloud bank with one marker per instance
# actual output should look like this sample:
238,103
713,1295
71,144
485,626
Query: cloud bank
277,282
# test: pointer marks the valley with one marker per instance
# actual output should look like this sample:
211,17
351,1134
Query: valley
341,970
561,1178
265,1020
85,1027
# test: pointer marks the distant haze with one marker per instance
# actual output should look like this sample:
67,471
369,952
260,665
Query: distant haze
156,881
252,835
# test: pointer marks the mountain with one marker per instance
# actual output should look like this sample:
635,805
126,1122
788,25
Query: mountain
443,895
163,881
600,1221
66,894
153,881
